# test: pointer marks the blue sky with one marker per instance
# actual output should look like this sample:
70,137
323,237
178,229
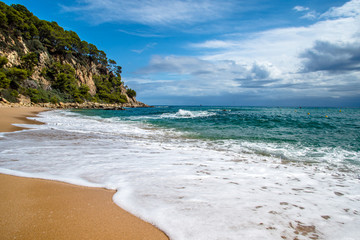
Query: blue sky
228,52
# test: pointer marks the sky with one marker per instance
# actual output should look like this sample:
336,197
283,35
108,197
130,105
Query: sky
223,52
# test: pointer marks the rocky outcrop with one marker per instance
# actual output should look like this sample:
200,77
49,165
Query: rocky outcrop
85,70
86,105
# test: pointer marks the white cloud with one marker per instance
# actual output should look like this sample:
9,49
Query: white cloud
142,34
300,8
148,46
349,9
280,47
310,15
151,12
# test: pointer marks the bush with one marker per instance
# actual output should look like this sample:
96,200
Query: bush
10,95
29,61
4,81
54,100
38,95
3,61
17,76
36,45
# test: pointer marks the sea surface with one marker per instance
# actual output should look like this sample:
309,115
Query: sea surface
207,172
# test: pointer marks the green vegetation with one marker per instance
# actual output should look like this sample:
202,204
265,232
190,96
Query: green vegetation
40,36
109,90
131,93
4,81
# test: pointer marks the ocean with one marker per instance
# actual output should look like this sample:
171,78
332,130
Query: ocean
207,172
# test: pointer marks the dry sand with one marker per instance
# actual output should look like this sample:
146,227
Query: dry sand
42,209
10,115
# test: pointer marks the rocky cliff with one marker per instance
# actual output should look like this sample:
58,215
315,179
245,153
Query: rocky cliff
44,62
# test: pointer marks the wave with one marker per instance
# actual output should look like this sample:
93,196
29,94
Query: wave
188,114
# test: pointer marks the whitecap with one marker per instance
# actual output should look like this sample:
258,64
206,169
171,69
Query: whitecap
181,113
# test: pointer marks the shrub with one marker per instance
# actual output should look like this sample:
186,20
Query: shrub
10,95
17,76
4,81
54,99
35,45
29,61
3,61
38,95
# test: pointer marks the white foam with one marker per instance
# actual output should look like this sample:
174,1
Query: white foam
77,181
188,114
191,189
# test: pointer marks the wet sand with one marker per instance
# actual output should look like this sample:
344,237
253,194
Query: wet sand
41,209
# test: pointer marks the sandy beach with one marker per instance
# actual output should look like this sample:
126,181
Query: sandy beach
17,115
42,209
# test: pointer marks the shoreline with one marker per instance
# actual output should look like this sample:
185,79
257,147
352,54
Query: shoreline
67,105
17,115
44,209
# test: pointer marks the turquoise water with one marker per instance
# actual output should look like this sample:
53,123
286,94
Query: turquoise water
306,134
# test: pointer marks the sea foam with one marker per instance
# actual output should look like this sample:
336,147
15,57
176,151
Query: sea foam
188,114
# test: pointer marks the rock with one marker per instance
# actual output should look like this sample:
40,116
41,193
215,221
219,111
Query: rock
24,100
4,100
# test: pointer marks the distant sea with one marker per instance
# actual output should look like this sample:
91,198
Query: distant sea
207,172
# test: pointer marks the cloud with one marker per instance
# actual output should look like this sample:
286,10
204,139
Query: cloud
309,14
192,75
300,8
280,47
349,9
332,57
259,71
142,34
148,46
179,65
151,12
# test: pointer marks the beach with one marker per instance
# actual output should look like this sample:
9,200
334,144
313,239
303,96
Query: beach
42,209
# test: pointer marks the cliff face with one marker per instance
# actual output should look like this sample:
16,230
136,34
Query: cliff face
56,62
84,72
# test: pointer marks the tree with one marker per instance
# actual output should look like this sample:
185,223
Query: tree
3,19
73,41
131,93
3,61
85,48
13,18
4,81
65,83
17,76
118,71
29,61
112,65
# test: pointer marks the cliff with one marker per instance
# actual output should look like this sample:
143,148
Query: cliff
41,62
